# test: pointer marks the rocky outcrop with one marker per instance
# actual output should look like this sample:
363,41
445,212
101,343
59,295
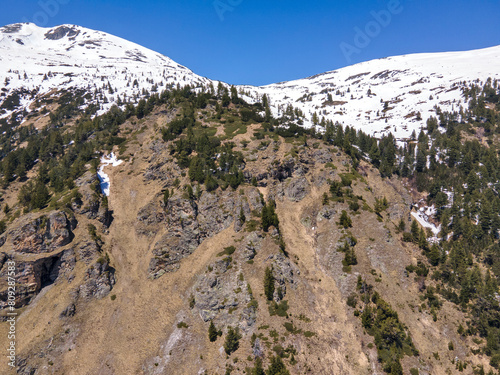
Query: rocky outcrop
322,156
42,234
326,213
181,239
254,198
87,250
282,171
187,224
99,280
150,217
215,212
90,200
32,276
253,243
297,189
284,273
224,297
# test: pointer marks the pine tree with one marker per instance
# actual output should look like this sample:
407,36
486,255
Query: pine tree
232,342
421,161
345,220
326,199
434,255
258,369
166,196
277,367
212,332
415,231
402,225
242,218
375,155
396,368
269,283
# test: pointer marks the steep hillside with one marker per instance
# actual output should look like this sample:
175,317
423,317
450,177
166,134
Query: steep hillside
232,242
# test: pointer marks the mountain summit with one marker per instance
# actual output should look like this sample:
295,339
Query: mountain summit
34,61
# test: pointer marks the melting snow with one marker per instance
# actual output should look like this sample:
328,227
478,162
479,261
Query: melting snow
103,177
422,217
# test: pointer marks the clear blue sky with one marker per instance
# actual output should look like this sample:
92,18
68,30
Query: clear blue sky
265,41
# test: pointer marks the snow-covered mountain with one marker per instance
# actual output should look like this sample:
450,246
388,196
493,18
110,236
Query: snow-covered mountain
39,60
395,94
409,84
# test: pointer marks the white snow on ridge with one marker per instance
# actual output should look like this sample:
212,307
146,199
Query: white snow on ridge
41,60
103,177
69,56
411,84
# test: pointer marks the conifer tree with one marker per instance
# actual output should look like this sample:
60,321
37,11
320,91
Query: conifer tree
212,332
345,220
269,283
277,367
258,369
232,342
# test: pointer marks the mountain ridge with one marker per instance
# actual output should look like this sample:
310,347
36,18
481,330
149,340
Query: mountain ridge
376,96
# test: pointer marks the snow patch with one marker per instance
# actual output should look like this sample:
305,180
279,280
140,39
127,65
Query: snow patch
422,218
103,177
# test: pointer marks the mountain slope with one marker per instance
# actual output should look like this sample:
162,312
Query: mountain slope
289,244
409,84
35,61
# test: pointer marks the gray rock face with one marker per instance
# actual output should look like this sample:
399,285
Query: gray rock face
181,239
284,273
242,204
326,213
69,311
296,189
283,170
150,217
61,32
187,223
322,156
105,216
254,198
90,199
99,281
223,297
253,243
42,235
215,213
87,250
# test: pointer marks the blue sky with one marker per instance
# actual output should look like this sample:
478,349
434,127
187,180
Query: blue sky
260,42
